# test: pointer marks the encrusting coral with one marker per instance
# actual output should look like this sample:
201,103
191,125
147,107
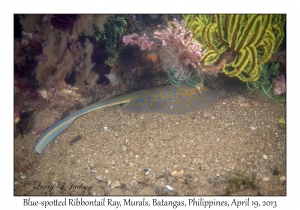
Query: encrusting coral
242,42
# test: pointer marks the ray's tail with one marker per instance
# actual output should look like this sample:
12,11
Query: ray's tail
60,126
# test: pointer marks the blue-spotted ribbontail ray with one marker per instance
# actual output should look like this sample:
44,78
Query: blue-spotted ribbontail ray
163,100
172,100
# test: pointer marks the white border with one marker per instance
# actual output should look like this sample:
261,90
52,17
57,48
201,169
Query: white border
8,8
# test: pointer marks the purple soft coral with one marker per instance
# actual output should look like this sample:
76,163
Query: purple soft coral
179,51
142,41
279,85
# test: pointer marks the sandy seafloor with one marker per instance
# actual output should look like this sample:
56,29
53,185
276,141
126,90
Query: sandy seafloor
235,147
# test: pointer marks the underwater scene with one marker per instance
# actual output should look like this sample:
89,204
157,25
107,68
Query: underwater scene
149,104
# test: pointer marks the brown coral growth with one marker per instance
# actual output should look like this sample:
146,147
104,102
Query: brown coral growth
83,24
66,57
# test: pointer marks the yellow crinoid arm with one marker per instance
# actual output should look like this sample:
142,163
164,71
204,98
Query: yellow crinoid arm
245,66
234,22
196,24
222,22
210,57
277,27
268,45
214,41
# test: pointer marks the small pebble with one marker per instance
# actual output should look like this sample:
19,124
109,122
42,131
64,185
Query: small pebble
134,183
115,184
282,179
169,188
176,172
265,179
147,171
274,171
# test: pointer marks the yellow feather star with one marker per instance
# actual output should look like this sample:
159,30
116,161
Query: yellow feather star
250,39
